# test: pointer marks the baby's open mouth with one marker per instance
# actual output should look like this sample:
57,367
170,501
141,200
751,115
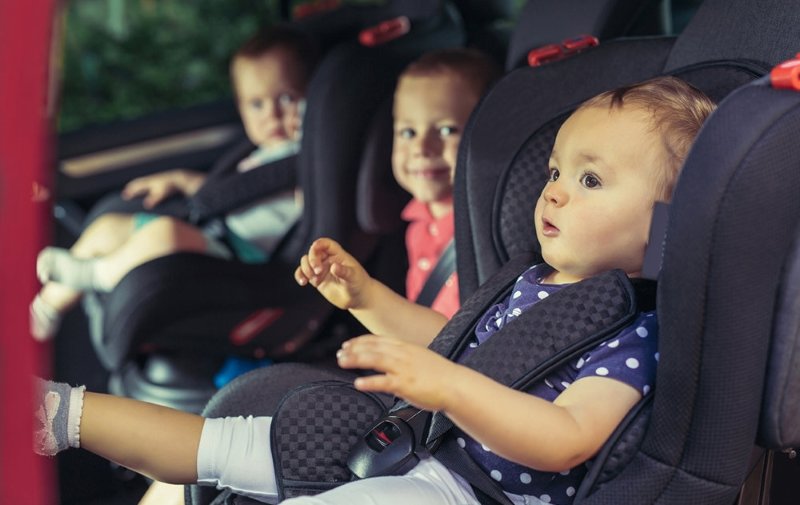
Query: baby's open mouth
548,228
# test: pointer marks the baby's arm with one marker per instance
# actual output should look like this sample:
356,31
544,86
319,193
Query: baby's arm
515,425
343,281
150,439
157,187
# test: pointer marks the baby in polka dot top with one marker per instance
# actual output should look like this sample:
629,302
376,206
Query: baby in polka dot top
613,158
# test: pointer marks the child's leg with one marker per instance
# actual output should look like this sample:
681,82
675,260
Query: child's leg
165,444
160,237
429,483
150,439
103,235
160,493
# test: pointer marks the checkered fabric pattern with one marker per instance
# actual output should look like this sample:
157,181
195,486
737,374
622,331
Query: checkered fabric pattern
576,317
523,181
313,431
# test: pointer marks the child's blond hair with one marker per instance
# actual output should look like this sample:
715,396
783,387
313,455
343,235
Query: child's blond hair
303,47
677,109
473,67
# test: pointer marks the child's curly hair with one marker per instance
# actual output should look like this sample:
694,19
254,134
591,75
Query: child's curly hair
678,110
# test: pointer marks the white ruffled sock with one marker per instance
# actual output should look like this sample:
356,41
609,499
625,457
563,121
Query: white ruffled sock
58,414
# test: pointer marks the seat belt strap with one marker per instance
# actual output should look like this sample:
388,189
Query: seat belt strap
486,490
441,272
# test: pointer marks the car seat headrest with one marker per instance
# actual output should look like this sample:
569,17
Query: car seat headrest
544,22
336,21
483,12
379,199
521,184
728,29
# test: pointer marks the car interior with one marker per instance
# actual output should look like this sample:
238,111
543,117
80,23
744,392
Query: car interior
660,455
720,428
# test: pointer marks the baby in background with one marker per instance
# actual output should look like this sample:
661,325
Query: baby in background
269,75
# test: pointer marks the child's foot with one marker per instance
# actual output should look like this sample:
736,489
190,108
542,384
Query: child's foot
58,415
45,320
55,264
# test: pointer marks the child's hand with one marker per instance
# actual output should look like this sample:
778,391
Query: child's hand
157,187
414,373
337,275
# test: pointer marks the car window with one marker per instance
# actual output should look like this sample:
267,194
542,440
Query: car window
124,59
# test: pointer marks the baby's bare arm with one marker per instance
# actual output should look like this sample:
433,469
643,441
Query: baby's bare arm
346,284
534,432
386,313
150,439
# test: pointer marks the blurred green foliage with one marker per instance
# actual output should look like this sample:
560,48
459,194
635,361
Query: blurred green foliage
127,58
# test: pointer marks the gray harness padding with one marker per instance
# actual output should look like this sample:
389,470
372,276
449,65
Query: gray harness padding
226,190
316,425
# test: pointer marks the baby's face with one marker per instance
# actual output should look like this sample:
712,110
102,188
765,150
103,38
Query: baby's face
594,213
269,90
430,113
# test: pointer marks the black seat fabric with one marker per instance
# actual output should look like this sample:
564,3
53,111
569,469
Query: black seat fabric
606,19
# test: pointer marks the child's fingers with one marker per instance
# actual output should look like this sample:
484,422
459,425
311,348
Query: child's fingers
369,351
375,383
342,272
300,277
306,271
132,190
318,254
152,199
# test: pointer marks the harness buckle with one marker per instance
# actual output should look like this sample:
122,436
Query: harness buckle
393,446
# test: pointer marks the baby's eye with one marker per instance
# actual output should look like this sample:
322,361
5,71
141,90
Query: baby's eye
256,103
285,99
446,131
554,173
590,181
406,133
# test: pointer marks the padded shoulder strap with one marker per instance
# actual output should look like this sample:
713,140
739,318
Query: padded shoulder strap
448,342
574,319
227,191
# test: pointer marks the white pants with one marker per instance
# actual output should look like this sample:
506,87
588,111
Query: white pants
235,453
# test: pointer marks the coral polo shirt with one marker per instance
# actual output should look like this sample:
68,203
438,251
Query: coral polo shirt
426,240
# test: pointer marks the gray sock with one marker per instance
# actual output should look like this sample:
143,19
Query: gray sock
58,409
59,265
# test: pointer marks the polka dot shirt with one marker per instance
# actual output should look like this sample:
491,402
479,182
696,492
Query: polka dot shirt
630,357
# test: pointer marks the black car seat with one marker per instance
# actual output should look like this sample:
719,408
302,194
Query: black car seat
167,326
693,444
697,447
